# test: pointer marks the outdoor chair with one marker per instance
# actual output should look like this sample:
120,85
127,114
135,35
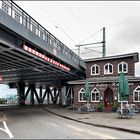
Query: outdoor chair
127,111
135,107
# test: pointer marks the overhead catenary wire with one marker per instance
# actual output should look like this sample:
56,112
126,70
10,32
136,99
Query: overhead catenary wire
56,24
91,51
90,36
75,17
81,23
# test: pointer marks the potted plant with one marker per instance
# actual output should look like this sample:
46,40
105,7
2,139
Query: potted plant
115,106
100,107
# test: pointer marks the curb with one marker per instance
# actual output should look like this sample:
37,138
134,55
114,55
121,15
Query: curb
97,125
3,108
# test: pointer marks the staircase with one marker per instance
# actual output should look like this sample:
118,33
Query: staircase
108,109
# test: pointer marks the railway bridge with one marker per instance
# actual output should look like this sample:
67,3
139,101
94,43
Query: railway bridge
31,57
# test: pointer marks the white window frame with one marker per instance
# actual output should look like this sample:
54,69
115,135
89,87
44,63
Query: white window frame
108,68
80,91
138,94
95,65
95,95
122,64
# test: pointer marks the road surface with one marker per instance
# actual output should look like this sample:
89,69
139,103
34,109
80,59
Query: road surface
32,123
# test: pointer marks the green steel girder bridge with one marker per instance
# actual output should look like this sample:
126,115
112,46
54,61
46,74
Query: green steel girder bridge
30,56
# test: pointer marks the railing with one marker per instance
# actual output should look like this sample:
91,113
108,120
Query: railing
28,22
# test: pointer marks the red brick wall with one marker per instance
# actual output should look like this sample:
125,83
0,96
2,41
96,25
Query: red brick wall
114,62
102,90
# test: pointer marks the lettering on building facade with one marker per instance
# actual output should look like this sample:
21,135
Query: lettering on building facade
114,84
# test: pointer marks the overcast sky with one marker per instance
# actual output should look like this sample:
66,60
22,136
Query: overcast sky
74,22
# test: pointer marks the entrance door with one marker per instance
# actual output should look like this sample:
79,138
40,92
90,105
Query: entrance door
108,98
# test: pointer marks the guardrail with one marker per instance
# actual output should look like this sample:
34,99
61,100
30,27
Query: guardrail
17,13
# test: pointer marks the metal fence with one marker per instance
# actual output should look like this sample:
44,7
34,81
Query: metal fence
17,13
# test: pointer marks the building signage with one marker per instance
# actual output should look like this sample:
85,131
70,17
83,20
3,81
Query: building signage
107,84
53,62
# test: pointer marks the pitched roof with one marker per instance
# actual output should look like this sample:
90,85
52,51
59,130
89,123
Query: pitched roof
104,80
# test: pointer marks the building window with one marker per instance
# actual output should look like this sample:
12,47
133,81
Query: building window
95,95
95,70
136,94
108,69
81,96
122,67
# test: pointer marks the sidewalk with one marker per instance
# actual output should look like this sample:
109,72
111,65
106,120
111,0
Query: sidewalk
102,119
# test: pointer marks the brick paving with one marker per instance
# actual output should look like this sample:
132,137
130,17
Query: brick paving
99,118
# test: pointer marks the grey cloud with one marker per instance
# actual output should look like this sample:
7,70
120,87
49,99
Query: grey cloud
126,36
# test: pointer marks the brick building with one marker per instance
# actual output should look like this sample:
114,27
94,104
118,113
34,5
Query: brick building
103,76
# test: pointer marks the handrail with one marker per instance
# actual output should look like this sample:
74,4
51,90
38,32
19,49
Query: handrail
17,13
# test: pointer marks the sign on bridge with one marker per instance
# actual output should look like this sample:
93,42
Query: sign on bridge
1,78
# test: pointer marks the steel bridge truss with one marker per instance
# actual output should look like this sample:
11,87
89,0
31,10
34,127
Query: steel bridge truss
55,94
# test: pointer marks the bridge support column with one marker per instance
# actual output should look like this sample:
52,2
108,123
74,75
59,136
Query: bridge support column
55,97
48,95
40,94
32,87
52,97
21,91
60,96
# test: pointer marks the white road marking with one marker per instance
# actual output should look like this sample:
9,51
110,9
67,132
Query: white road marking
75,128
55,125
101,135
94,133
7,130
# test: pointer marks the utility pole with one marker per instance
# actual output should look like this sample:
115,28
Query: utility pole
78,50
103,45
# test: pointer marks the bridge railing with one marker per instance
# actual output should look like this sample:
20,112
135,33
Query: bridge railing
28,22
